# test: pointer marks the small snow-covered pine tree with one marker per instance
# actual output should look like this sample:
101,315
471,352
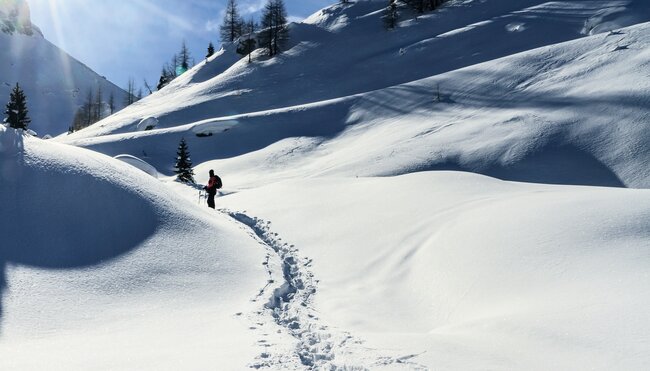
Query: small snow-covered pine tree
17,109
183,167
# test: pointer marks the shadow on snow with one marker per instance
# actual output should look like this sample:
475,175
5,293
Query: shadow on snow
56,220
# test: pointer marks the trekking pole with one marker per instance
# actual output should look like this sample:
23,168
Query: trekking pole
200,197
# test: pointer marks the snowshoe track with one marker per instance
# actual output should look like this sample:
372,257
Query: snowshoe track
290,304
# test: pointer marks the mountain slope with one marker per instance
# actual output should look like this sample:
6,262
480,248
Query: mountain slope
335,246
573,112
55,84
343,50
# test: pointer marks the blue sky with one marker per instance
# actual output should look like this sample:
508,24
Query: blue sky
134,38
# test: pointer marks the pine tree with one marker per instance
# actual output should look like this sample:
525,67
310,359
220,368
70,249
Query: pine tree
417,5
92,110
130,93
17,109
231,28
173,68
111,103
274,32
248,45
420,6
251,27
183,59
390,15
183,167
434,4
89,109
210,50
164,79
99,104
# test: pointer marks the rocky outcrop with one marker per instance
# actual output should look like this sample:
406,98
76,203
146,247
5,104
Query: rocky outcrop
15,18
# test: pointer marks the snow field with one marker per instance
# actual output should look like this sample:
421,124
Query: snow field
103,266
468,272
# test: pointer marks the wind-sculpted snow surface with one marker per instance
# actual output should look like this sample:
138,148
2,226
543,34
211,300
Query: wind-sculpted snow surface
357,55
37,185
567,113
342,145
458,271
102,267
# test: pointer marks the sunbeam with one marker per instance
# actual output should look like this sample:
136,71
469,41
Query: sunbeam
65,62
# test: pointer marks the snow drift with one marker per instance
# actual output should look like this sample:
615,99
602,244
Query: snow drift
99,262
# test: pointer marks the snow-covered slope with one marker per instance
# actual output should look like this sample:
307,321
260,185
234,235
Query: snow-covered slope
102,266
457,271
55,83
343,50
355,254
433,104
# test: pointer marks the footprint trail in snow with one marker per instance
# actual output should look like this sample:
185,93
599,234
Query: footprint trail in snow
288,298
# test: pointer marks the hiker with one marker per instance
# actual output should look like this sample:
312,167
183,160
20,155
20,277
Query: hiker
213,185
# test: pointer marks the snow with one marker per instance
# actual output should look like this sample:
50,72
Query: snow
470,272
54,83
103,265
138,163
148,123
463,192
445,111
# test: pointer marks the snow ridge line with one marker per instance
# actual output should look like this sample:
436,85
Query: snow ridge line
290,305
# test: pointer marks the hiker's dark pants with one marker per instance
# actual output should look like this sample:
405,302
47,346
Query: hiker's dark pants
211,200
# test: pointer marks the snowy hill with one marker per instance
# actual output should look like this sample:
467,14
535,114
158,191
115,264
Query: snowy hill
346,236
55,83
460,69
99,263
